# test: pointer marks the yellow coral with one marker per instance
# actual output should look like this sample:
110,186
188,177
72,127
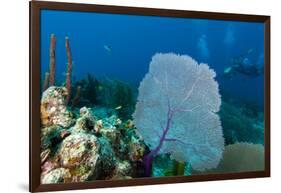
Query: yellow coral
129,124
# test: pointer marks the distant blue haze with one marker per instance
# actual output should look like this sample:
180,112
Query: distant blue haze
133,40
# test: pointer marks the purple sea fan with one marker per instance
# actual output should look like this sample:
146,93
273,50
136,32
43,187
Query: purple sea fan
176,111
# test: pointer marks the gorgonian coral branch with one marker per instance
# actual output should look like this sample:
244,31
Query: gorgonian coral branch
181,95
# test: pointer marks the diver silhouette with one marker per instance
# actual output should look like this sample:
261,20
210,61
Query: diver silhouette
243,65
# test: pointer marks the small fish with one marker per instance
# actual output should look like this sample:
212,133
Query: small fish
250,50
119,107
227,70
107,48
129,124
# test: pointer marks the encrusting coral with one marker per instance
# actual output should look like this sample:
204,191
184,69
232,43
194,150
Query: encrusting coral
123,170
85,157
51,135
53,108
88,149
176,112
58,175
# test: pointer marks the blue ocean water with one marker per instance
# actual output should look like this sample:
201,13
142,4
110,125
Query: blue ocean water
121,46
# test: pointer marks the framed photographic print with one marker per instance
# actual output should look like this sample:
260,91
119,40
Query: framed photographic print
123,96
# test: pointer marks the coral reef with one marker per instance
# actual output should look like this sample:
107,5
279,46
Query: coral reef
53,108
241,157
96,129
85,156
91,145
89,90
112,94
50,76
76,99
136,149
51,135
163,165
58,175
86,121
176,112
123,98
240,125
123,170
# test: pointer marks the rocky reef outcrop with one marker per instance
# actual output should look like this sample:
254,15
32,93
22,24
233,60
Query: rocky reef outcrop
57,175
240,124
86,144
53,107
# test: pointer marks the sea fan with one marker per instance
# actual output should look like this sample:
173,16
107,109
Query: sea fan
176,111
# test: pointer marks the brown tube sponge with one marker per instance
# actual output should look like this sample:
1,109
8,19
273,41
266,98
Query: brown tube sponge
69,68
46,81
52,60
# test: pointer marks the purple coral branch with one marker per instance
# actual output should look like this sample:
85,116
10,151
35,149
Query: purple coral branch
149,157
170,139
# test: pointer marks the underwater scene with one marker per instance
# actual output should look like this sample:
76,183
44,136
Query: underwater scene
126,96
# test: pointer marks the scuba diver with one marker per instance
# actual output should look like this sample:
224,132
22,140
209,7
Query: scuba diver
242,65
